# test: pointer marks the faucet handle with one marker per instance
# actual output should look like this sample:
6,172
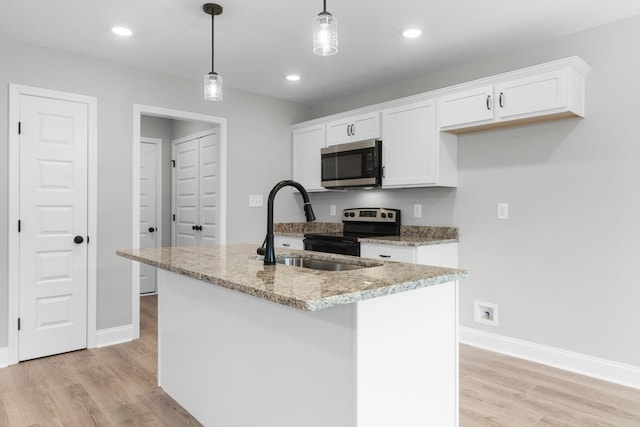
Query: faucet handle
261,251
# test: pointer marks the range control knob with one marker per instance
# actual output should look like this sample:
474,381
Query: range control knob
383,215
351,214
390,214
346,214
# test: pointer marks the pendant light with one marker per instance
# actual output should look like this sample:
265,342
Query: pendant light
325,33
212,81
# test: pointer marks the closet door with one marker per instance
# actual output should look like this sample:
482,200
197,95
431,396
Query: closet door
195,191
208,191
185,192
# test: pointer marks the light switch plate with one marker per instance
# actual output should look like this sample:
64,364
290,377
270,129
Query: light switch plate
332,210
417,211
503,210
255,200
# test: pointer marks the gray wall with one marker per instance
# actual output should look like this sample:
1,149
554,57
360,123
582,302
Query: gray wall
563,269
259,154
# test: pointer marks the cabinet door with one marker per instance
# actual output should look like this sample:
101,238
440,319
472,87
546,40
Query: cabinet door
288,242
388,252
353,128
441,255
307,143
530,96
366,126
339,131
467,108
410,145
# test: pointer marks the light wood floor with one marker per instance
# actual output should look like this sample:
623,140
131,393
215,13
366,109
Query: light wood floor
116,386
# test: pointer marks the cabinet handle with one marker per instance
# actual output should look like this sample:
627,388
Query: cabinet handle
488,102
353,129
348,130
286,245
501,99
384,256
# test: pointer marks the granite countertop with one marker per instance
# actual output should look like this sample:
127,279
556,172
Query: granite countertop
410,235
237,267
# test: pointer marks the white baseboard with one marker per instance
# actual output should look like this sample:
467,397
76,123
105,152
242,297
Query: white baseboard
607,370
111,336
4,357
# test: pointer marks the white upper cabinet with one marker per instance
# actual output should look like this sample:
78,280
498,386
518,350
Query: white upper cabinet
356,128
548,91
307,142
545,93
410,145
469,107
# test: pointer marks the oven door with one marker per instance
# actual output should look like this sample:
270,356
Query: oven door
332,246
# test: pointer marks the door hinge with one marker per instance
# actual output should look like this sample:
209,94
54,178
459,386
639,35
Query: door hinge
173,162
19,226
174,217
18,323
19,128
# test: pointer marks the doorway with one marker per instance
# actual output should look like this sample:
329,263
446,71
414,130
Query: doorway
220,126
150,206
52,216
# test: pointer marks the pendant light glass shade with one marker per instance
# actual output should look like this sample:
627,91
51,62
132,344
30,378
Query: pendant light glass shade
212,87
325,34
212,81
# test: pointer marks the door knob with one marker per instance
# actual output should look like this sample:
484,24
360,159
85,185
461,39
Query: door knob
78,239
151,229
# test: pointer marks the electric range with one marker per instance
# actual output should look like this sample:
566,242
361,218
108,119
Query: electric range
357,222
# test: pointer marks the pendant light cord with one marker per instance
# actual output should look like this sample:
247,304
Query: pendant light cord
212,41
324,6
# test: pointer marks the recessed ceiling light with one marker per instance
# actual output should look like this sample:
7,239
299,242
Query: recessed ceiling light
411,33
293,77
122,31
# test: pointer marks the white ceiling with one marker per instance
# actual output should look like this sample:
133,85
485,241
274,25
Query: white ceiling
259,42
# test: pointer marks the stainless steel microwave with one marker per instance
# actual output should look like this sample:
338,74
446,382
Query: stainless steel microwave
352,165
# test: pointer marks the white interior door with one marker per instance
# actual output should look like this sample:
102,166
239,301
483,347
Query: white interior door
185,192
196,183
208,191
150,154
53,226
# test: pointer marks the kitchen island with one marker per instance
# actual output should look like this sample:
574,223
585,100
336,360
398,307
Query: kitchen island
247,344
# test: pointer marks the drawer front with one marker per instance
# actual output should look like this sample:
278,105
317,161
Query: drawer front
388,252
288,242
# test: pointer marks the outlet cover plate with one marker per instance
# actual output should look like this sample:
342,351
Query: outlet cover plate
255,200
485,313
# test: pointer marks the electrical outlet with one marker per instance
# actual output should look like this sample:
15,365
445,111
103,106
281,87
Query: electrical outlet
417,211
332,210
255,200
503,210
485,313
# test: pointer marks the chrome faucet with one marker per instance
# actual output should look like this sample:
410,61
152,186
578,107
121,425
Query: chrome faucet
269,253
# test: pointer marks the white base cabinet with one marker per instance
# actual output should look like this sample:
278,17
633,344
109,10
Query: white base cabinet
288,242
232,359
440,255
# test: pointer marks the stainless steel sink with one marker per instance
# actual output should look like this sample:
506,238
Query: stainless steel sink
321,264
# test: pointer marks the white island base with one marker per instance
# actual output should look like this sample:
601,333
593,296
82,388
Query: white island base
234,360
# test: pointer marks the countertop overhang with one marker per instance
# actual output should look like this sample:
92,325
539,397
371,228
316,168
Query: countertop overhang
237,267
